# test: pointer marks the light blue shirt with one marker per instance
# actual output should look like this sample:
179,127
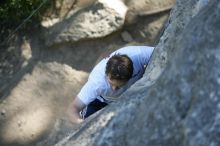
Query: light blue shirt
98,85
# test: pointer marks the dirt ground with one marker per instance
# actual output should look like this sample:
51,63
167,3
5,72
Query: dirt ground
37,100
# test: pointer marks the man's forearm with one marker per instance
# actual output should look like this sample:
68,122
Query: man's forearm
75,108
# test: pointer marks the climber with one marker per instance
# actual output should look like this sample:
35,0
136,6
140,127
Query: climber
110,78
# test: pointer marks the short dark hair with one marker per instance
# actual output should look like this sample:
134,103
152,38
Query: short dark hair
119,67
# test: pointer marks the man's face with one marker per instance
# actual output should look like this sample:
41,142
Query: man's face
115,84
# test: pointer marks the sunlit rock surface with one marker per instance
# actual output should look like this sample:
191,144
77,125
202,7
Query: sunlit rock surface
98,20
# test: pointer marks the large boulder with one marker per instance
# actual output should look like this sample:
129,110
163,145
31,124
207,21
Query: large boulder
98,20
182,106
146,8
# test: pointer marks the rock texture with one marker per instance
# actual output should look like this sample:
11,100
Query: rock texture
145,8
182,106
98,20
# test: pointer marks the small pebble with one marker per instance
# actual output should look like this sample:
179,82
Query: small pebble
3,112
126,36
19,123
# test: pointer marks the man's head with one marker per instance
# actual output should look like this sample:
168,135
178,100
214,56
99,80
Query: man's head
119,70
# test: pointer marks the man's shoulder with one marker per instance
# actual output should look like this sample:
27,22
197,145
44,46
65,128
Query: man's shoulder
97,84
133,50
98,71
97,76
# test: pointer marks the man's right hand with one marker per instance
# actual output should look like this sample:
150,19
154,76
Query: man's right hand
75,119
74,109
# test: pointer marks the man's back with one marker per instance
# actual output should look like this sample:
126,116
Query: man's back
98,85
109,78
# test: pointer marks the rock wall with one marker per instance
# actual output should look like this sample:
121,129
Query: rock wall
177,102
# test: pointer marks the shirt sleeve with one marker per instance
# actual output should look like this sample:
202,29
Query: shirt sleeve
88,93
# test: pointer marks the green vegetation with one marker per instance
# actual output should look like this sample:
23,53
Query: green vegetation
17,10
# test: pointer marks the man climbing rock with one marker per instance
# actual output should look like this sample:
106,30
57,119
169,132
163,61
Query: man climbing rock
109,79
